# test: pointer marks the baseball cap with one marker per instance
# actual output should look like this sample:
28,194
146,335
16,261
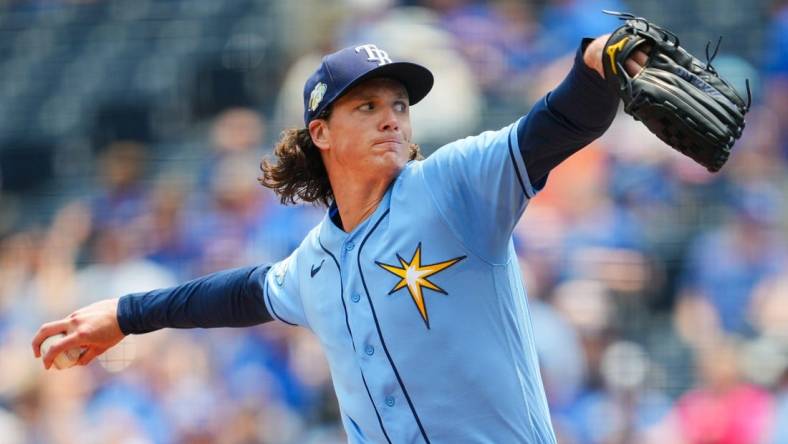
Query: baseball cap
340,71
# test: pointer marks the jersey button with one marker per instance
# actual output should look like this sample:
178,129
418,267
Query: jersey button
349,246
370,350
390,401
355,297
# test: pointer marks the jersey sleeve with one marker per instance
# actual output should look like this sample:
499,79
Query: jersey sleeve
481,184
281,291
481,187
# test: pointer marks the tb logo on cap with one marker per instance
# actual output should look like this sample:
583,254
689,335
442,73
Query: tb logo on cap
374,54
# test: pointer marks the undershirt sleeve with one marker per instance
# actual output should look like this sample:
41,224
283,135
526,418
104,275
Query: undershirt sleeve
231,298
568,118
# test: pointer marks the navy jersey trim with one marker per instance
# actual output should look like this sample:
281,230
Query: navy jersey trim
516,167
380,333
341,291
380,420
352,342
271,305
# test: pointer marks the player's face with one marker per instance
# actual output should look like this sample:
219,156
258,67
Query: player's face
368,133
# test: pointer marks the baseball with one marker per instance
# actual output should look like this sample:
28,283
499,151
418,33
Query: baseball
65,359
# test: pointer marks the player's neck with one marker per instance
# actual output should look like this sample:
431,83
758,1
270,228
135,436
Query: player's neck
357,201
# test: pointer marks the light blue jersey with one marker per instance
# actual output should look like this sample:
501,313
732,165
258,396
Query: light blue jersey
421,309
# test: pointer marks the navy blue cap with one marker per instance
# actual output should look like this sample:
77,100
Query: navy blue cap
348,67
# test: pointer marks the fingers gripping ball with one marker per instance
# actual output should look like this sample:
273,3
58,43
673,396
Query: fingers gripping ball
65,359
679,98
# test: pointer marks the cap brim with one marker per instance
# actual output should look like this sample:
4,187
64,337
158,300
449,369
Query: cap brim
416,79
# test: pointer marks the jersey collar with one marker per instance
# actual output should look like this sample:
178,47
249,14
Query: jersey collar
334,238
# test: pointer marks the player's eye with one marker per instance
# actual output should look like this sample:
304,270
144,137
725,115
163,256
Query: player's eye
401,106
367,106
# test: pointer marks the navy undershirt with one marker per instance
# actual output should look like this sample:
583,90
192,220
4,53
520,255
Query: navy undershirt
570,117
230,298
578,111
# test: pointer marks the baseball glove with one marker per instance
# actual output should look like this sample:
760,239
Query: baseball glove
679,98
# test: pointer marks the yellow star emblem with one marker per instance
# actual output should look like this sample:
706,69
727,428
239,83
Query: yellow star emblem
414,276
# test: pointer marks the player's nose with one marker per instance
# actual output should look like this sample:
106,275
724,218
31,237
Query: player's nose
389,120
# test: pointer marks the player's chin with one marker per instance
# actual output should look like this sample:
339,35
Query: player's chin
390,163
390,151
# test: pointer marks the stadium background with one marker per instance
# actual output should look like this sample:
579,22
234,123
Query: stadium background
130,137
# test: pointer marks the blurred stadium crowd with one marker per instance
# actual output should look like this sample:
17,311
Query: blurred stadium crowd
130,137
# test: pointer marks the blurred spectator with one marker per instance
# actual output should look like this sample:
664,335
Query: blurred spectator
724,409
776,60
120,267
497,39
603,240
238,222
560,354
38,276
165,240
122,196
567,21
234,131
725,265
769,309
776,69
760,156
116,256
623,407
124,411
222,222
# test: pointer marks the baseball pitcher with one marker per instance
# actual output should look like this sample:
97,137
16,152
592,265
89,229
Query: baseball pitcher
410,282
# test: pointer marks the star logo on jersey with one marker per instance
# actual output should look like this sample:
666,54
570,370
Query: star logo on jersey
414,276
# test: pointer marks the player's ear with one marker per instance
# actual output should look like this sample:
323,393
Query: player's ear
318,130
